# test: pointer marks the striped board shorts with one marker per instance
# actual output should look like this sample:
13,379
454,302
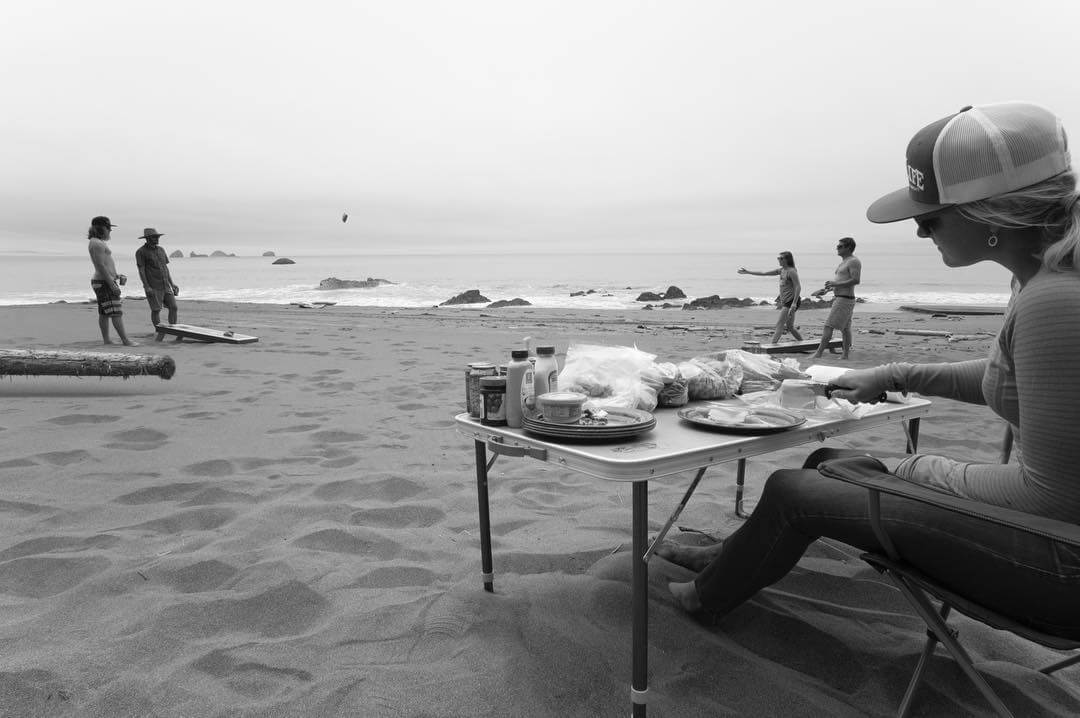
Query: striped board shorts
108,304
840,314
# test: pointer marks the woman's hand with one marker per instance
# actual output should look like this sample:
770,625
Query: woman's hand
865,386
742,270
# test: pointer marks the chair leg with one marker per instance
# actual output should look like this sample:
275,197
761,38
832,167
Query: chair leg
1060,664
922,665
921,603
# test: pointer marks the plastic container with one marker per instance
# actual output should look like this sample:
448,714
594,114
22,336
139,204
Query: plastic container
473,373
547,371
561,407
518,371
493,400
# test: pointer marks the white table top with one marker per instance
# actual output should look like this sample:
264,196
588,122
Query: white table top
675,445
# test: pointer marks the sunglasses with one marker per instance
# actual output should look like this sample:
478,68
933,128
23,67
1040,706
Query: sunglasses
927,221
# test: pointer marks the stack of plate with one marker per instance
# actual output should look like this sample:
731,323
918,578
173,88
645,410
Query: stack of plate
621,424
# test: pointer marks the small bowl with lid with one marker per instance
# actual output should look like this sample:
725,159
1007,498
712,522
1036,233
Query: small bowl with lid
561,407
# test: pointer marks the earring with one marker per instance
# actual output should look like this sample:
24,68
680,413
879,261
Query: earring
992,241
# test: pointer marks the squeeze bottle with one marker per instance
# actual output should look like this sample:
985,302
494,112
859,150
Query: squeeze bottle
547,371
516,372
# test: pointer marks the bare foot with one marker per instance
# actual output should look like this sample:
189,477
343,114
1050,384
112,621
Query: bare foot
686,596
695,558
130,343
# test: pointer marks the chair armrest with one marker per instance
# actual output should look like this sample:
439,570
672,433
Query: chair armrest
871,474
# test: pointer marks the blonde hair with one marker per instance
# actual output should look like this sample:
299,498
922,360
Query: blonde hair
1051,206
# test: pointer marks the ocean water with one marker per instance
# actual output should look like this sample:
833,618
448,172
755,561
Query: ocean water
543,279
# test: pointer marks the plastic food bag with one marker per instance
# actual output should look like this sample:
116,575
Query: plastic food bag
708,377
674,392
760,371
618,377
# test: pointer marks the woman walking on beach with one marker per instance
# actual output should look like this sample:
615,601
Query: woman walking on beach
990,183
790,293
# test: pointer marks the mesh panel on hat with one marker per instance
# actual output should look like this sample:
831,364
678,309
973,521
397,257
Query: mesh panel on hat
995,149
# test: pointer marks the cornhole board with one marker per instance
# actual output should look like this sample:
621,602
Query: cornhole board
202,334
972,309
789,347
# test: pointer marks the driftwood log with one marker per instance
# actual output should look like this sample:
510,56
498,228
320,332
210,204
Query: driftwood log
29,362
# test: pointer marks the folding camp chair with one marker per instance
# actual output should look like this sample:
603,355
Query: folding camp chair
917,588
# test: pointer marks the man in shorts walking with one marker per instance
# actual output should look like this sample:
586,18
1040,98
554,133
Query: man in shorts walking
153,266
106,282
848,274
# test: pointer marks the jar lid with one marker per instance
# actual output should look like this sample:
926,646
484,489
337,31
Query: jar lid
562,398
519,354
492,382
545,350
482,365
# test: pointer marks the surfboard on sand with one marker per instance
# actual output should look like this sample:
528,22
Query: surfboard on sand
972,309
202,334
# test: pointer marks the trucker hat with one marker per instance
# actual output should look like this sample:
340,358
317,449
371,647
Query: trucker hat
977,153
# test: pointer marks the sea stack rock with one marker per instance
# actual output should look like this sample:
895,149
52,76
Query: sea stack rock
176,254
268,254
219,253
515,302
283,260
195,254
649,297
715,301
473,296
674,292
369,283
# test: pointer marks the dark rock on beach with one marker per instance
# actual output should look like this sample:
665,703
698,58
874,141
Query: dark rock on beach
472,296
283,260
515,302
195,254
672,292
335,283
715,301
582,293
268,254
176,254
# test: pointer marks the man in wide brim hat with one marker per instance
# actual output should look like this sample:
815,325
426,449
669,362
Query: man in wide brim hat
157,281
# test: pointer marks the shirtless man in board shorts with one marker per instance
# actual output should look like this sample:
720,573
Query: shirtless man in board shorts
848,274
106,282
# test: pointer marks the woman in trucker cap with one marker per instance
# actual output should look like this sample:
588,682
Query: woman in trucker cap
990,183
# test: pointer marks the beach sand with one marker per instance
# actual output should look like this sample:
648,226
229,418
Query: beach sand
289,528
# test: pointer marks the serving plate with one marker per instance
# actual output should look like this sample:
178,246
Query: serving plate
621,424
739,420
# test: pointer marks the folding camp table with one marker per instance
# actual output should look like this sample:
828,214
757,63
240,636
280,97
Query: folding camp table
673,446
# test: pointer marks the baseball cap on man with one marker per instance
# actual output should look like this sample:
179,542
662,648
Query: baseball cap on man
977,153
101,222
150,232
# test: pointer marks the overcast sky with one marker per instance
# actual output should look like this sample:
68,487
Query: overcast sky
236,125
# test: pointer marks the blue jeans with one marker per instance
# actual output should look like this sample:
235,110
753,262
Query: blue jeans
1008,571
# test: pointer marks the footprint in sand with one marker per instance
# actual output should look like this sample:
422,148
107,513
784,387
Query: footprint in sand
184,521
17,464
141,439
338,541
69,419
334,436
64,458
40,577
58,544
395,577
294,429
401,516
249,677
214,467
154,494
199,577
391,489
289,609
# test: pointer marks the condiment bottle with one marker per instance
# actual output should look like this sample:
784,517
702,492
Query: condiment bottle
516,371
493,395
547,371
